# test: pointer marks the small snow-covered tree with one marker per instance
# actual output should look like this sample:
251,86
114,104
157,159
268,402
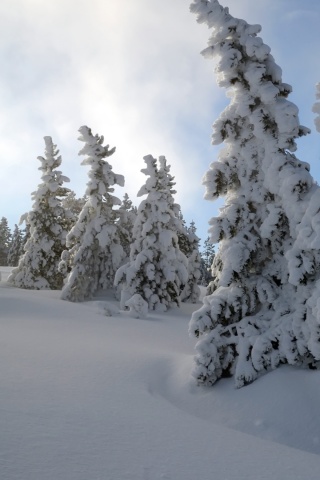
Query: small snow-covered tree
191,291
5,241
157,269
207,256
48,224
73,204
16,247
94,250
189,245
264,308
138,307
127,216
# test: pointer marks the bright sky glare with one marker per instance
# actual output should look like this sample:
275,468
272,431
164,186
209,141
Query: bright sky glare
132,71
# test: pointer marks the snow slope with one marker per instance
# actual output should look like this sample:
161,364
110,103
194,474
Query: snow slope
85,396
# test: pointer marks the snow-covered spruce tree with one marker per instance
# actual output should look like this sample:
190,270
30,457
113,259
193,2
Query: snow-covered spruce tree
191,291
16,247
127,217
264,309
5,241
157,269
48,224
186,243
94,246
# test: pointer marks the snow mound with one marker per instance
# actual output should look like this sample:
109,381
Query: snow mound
279,407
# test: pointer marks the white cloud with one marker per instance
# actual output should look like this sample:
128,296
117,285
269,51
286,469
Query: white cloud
127,71
130,70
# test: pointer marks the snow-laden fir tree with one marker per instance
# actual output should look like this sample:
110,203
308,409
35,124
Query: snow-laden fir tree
5,241
191,291
48,224
127,216
264,309
94,250
157,269
16,247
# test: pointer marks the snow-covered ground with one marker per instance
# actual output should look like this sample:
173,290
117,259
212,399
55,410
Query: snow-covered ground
86,396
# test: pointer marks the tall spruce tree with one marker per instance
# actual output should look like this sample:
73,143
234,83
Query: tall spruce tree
264,308
157,269
94,250
48,224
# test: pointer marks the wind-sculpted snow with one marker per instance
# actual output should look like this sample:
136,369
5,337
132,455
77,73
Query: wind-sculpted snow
273,417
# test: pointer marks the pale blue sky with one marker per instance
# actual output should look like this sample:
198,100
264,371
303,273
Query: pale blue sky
132,71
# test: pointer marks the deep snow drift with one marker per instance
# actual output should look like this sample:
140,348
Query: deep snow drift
88,396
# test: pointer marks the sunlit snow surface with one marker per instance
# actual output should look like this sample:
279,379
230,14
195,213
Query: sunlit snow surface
89,396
